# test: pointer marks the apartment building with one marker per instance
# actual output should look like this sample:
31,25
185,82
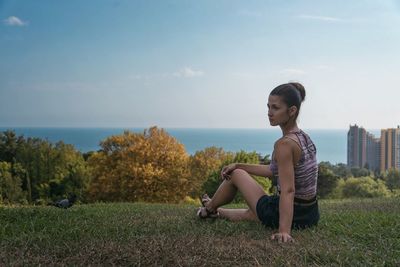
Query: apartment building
364,150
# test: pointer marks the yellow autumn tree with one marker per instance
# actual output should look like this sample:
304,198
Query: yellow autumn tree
151,167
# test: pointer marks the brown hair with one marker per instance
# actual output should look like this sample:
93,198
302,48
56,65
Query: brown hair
293,94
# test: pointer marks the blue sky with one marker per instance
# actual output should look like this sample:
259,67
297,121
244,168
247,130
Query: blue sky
197,63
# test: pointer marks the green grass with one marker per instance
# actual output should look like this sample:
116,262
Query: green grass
350,233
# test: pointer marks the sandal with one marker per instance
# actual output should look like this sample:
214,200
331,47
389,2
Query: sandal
203,212
204,199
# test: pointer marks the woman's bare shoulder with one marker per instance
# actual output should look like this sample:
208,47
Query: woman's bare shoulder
286,145
283,142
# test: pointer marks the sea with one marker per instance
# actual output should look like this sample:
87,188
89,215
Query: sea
331,144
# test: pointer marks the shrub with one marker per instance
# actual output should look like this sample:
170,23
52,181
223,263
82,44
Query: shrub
392,179
327,180
360,187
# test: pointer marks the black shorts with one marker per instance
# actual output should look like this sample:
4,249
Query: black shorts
305,212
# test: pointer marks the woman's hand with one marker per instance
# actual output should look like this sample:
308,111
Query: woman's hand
227,170
282,237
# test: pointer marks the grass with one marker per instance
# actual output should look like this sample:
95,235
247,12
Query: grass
363,232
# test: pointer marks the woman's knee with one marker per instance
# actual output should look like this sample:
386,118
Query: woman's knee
238,173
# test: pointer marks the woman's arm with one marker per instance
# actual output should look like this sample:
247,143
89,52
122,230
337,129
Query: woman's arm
284,157
255,169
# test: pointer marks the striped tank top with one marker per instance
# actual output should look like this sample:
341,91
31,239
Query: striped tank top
306,169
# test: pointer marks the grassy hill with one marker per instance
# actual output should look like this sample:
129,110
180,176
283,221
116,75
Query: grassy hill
351,233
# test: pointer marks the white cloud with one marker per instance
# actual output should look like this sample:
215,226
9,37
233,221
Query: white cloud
321,18
293,72
188,73
14,21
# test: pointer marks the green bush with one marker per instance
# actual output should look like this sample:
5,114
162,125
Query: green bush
360,187
327,179
392,179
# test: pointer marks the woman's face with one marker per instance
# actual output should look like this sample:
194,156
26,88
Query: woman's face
278,111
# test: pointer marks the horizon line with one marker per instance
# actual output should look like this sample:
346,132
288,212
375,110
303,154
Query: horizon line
173,127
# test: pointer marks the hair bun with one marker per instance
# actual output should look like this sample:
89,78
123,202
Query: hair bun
301,89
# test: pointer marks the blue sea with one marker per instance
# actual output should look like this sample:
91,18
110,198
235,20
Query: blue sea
331,144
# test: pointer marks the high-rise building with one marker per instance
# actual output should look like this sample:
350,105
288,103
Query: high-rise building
366,151
390,149
373,152
356,147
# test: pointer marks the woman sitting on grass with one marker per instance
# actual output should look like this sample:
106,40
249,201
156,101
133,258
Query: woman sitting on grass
293,163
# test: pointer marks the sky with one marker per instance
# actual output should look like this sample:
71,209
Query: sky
197,64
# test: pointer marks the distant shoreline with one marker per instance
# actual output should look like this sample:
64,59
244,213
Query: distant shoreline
331,143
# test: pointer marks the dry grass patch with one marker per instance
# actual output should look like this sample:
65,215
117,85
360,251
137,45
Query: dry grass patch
350,233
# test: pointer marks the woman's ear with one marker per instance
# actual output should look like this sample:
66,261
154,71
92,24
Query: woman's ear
292,111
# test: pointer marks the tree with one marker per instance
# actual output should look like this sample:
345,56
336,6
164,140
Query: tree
361,187
10,185
9,143
45,170
203,164
151,167
342,170
265,160
360,172
247,157
70,175
327,180
392,179
53,171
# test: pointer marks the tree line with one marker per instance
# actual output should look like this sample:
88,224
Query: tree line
339,181
151,166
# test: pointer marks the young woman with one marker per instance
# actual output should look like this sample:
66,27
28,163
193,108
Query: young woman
293,164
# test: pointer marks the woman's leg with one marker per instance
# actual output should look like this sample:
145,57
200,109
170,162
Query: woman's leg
237,214
250,189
